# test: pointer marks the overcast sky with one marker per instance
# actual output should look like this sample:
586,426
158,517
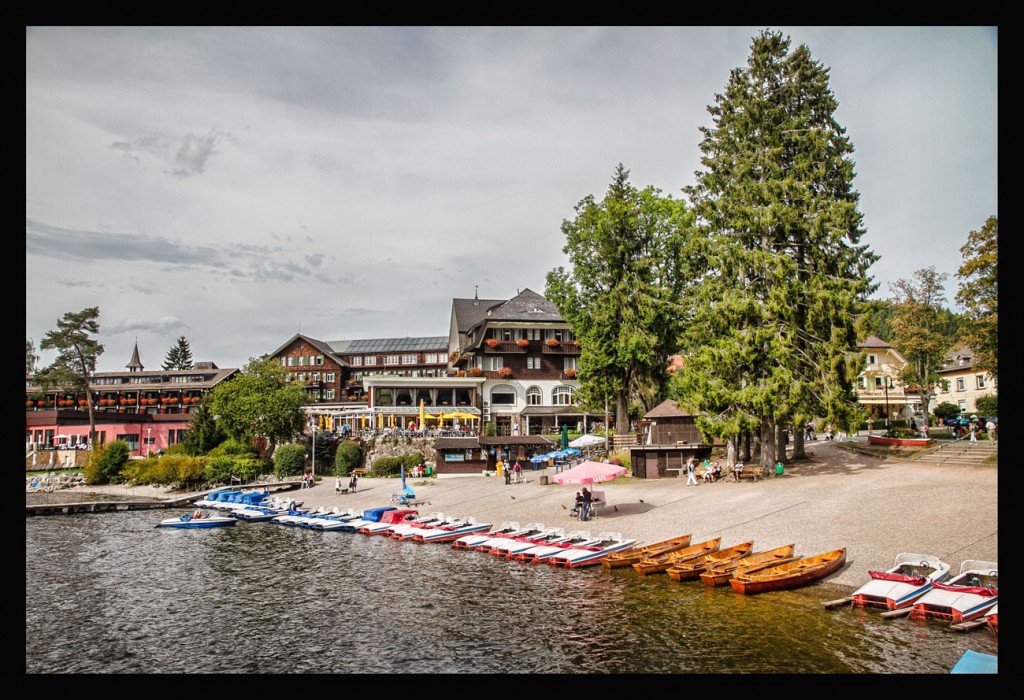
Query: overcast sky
239,185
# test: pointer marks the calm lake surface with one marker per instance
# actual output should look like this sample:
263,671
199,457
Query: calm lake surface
109,593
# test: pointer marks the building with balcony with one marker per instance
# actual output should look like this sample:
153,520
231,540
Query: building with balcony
879,387
961,383
149,410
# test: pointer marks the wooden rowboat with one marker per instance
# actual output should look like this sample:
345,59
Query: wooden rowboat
792,575
720,574
632,556
693,568
660,563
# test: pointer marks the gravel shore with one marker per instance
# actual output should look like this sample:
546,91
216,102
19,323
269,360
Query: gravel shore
875,508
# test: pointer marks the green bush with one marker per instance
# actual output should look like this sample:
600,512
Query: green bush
489,429
946,410
231,447
218,470
387,466
412,459
289,460
104,466
987,405
177,449
348,456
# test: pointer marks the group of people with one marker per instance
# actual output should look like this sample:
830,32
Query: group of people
513,474
353,481
710,474
584,501
308,480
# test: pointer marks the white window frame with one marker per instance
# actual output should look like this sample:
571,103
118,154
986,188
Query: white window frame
569,362
390,360
533,363
979,380
562,395
960,384
534,396
493,363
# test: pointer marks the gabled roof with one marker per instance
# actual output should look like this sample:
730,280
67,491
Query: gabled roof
470,312
873,342
959,359
318,344
135,364
667,409
526,306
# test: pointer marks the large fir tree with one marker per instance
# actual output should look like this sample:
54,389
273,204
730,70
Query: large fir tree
179,356
782,266
621,293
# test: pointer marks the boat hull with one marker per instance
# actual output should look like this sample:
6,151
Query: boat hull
894,589
575,558
628,557
661,563
968,596
187,522
721,574
793,575
691,570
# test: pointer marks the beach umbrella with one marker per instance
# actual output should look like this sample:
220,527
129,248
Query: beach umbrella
422,414
586,441
589,472
571,451
537,459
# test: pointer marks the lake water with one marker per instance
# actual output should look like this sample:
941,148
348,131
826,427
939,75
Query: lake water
109,593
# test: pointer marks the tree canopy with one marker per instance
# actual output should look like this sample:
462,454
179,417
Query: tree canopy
979,293
779,264
622,292
259,402
919,329
179,356
77,352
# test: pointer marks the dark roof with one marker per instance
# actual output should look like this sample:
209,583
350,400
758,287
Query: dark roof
515,440
873,342
959,359
318,344
526,306
434,343
470,312
667,409
550,410
135,362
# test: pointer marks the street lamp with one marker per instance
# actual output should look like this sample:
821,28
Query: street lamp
888,385
149,442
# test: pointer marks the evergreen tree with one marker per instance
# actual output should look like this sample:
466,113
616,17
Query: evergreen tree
179,356
919,328
77,352
780,263
621,293
203,432
31,358
979,293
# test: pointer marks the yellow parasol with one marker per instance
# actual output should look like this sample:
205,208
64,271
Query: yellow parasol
461,415
391,420
362,419
420,424
380,420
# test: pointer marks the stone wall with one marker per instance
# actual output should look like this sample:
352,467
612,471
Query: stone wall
396,447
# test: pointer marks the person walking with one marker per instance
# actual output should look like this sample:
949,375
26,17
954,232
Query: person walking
508,476
691,472
337,485
353,482
518,471
974,436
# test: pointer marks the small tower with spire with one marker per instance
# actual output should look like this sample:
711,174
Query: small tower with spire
134,364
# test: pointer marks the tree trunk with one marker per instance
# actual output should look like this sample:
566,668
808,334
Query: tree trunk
798,444
767,460
621,414
730,451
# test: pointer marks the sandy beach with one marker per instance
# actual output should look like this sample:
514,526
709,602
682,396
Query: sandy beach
873,507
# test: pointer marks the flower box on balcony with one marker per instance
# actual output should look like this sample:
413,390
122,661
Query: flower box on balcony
576,343
523,343
505,372
30,404
83,402
552,342
492,343
475,371
570,374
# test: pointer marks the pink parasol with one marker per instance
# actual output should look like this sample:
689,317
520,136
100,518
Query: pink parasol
589,472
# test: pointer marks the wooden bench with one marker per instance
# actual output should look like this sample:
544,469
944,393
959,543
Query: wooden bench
752,473
361,471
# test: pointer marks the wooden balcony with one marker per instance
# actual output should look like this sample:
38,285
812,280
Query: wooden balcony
561,349
504,347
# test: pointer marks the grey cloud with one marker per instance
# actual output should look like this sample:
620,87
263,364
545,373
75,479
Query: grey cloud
166,325
193,155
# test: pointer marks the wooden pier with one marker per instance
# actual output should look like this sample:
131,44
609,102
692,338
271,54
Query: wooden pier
146,504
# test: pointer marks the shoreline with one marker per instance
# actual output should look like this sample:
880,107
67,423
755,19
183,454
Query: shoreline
837,498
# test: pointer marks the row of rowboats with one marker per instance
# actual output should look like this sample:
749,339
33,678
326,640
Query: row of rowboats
748,572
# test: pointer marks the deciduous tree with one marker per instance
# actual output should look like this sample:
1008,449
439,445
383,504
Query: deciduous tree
979,293
259,402
918,326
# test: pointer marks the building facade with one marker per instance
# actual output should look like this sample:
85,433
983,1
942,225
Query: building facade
149,410
961,383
